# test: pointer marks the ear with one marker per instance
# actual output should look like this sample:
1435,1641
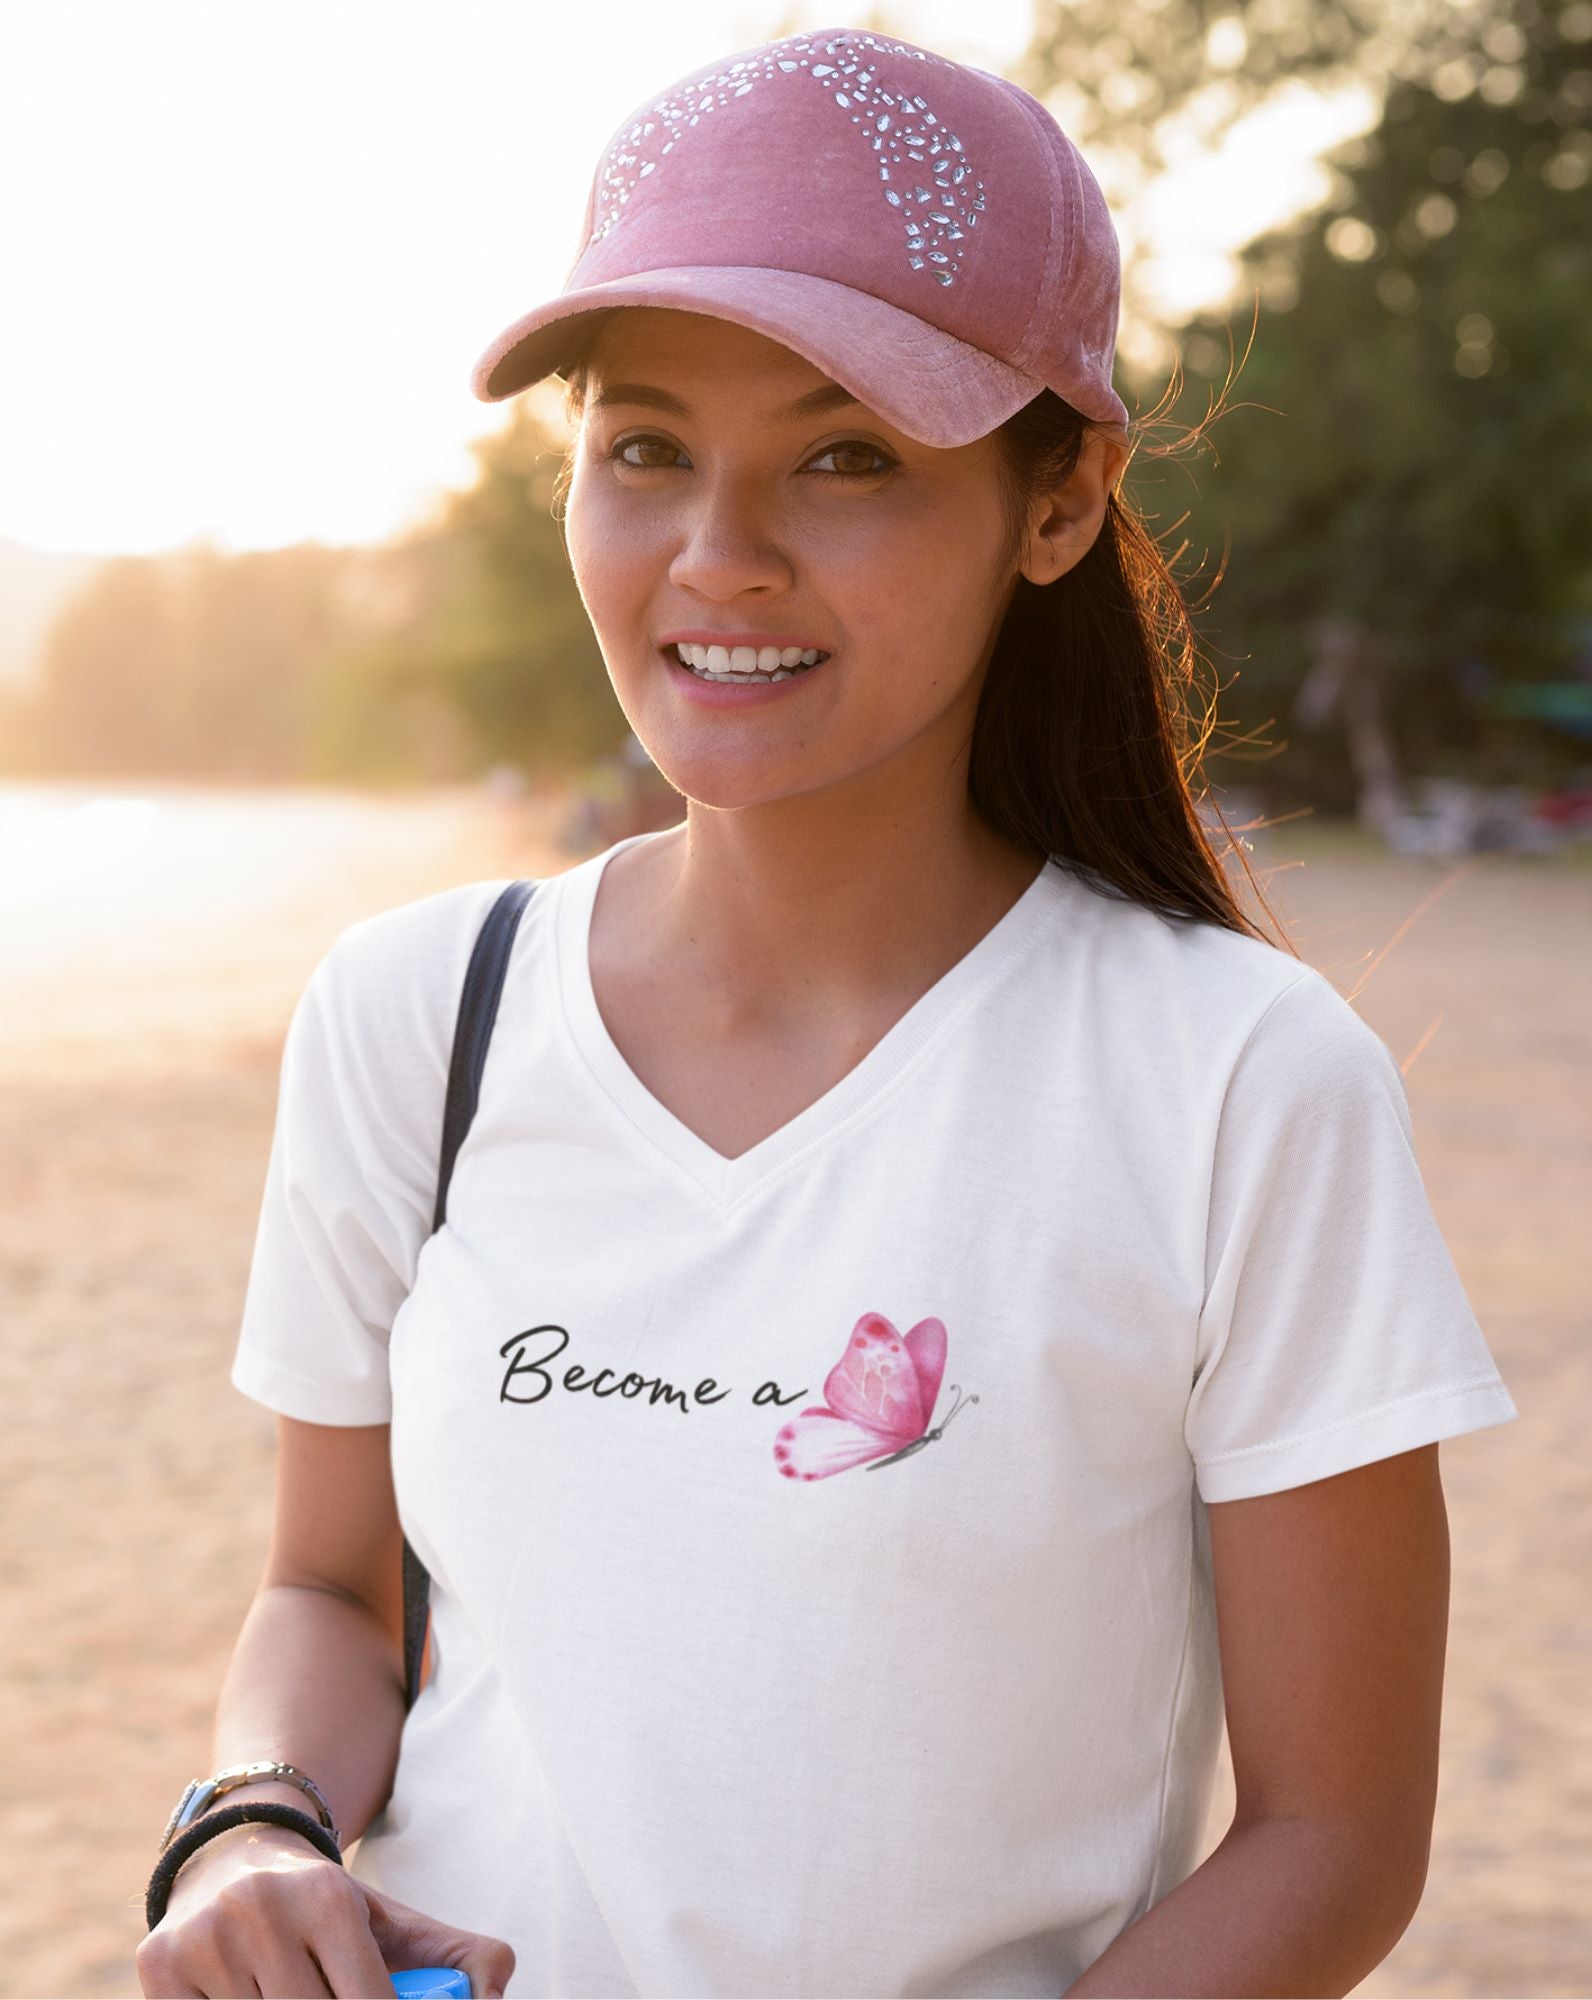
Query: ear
1068,518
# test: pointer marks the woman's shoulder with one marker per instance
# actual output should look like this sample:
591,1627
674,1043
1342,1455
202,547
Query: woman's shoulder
1211,986
397,974
426,931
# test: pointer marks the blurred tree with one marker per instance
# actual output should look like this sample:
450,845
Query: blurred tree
460,646
501,633
104,690
1124,75
1413,448
1145,86
193,664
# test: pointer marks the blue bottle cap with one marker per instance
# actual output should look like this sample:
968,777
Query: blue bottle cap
432,1982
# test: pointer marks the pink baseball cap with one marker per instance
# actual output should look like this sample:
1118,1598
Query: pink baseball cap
922,231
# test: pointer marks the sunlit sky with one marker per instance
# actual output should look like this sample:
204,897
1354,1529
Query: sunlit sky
251,251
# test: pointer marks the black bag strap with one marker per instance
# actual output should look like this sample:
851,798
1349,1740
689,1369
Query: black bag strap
472,1036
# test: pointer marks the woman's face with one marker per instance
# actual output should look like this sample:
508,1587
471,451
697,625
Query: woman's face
727,515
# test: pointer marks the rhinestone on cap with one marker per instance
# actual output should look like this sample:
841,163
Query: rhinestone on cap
900,128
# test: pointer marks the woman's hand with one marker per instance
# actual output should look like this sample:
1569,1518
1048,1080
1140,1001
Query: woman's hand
271,1915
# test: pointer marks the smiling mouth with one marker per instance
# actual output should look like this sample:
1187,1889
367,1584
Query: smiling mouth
743,665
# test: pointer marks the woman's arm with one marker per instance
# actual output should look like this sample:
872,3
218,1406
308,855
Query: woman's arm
1332,1608
316,1680
317,1674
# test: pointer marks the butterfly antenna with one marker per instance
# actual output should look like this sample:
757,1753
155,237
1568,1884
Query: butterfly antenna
957,1393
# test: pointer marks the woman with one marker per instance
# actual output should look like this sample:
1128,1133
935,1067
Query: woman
920,1255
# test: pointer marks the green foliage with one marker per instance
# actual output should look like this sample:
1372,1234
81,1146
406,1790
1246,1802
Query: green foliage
1144,86
1410,437
505,637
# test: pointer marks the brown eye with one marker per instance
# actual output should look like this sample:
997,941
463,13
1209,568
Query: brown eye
640,438
858,446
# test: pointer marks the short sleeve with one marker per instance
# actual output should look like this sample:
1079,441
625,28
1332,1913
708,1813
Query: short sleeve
350,1184
1335,1330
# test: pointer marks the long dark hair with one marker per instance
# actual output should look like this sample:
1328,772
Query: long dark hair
1086,745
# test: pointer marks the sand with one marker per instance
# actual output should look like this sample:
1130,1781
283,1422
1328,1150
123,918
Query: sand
143,995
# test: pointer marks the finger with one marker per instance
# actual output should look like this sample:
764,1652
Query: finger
164,1984
293,1975
407,1936
490,1965
353,1968
160,1977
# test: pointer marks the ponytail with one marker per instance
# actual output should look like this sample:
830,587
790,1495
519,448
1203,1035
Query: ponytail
1085,748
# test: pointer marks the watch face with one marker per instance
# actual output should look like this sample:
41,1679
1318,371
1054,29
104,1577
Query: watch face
195,1797
177,1811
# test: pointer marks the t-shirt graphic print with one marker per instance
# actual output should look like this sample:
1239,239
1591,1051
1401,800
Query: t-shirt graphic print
880,1394
878,1399
1120,1220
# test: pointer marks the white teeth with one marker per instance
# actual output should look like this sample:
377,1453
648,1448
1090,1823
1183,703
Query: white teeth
745,663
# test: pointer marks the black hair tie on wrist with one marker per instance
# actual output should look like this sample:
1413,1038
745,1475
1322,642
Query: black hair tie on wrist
208,1825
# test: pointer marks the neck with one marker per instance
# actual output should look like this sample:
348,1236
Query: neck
782,900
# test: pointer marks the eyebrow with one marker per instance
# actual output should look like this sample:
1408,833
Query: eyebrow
831,396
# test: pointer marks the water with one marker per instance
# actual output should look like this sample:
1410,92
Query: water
155,913
53,835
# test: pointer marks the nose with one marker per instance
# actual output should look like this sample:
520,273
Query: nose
727,542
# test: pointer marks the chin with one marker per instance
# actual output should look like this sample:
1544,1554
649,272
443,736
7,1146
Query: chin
719,783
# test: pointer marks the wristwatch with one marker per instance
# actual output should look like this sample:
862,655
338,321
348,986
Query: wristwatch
199,1794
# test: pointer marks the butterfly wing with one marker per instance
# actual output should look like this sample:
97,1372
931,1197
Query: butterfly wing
926,1343
875,1383
818,1442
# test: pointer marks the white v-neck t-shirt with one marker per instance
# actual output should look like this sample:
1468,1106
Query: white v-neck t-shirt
821,1582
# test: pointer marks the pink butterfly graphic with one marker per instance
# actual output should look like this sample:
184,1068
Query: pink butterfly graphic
880,1396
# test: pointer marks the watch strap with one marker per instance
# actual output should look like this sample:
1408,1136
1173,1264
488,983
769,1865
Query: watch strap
201,1793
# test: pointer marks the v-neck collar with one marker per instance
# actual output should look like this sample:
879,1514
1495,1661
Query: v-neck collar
723,1179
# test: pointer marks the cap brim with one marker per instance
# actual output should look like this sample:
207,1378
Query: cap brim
926,383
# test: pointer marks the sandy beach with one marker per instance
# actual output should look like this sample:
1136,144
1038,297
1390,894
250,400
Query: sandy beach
152,944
